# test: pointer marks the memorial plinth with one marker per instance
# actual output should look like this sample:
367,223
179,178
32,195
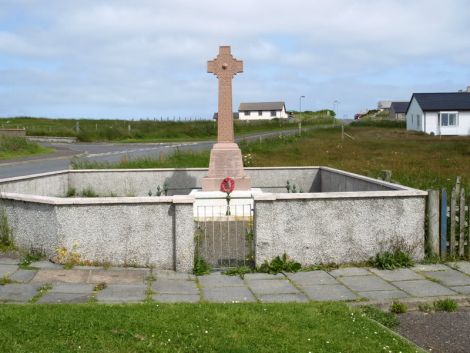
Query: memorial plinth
226,158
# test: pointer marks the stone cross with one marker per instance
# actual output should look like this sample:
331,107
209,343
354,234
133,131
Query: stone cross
225,66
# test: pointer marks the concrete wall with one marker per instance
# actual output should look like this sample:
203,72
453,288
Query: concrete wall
47,184
333,180
13,132
315,230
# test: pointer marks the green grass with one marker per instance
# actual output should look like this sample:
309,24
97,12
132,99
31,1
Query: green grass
447,304
326,327
14,147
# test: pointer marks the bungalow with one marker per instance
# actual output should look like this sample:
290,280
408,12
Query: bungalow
262,111
439,113
398,110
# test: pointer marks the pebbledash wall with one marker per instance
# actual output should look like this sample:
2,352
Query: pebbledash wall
341,217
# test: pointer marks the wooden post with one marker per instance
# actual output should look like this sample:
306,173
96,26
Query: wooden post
432,240
453,206
443,223
462,223
457,185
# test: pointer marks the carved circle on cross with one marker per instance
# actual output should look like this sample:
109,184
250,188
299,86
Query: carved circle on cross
224,66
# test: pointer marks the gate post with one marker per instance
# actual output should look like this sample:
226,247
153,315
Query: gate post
183,233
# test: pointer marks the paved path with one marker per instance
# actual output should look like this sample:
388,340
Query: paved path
49,283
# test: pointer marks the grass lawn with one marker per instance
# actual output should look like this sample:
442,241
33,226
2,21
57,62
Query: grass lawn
416,160
14,147
315,327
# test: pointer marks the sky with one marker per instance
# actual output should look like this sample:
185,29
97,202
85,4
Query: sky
148,58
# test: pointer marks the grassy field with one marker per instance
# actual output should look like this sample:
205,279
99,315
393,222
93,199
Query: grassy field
144,130
326,327
416,160
13,147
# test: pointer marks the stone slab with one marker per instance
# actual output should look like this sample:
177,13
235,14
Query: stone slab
349,271
176,298
449,277
23,276
7,270
58,298
65,276
462,266
173,275
43,264
366,283
283,298
384,294
311,278
329,292
123,276
423,288
401,274
218,280
8,261
461,289
270,286
19,293
429,267
173,286
251,276
76,288
122,293
227,295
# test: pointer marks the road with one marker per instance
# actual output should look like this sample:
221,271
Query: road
107,152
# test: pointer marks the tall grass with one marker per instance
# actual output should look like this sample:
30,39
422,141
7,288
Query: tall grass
395,124
14,146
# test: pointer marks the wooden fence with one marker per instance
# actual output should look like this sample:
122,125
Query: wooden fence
448,219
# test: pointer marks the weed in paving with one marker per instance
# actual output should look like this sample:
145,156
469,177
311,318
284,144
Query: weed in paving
391,260
238,271
398,307
280,264
447,304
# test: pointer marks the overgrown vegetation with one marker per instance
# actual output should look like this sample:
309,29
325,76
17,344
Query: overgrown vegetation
201,267
389,260
13,146
387,319
447,304
280,264
6,232
238,271
398,307
29,258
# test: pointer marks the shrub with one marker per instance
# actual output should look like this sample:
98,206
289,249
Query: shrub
398,308
389,260
280,264
447,304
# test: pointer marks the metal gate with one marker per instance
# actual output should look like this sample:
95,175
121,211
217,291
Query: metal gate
222,240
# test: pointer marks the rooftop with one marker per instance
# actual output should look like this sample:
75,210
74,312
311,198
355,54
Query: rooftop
443,101
261,106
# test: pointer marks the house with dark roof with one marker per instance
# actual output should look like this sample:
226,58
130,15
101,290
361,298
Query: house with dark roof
439,113
262,110
398,110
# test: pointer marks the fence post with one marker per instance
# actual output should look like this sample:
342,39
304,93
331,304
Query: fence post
453,206
444,223
462,223
432,241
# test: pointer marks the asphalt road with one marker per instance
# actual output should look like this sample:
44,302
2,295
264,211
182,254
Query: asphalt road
106,152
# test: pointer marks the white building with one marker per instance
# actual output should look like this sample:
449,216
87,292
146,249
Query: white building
262,111
439,113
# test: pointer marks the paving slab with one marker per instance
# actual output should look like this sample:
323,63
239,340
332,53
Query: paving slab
429,267
461,289
401,274
122,293
349,271
174,286
449,277
366,283
66,276
57,298
7,270
250,276
228,295
44,264
123,276
176,298
19,293
283,298
218,280
423,288
384,294
327,292
23,276
271,286
8,261
167,274
76,288
311,278
462,266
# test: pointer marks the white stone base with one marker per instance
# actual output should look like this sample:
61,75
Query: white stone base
213,204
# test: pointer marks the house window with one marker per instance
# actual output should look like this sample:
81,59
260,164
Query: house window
260,112
247,113
273,113
448,119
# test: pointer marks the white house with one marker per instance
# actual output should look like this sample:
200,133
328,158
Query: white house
262,111
439,113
